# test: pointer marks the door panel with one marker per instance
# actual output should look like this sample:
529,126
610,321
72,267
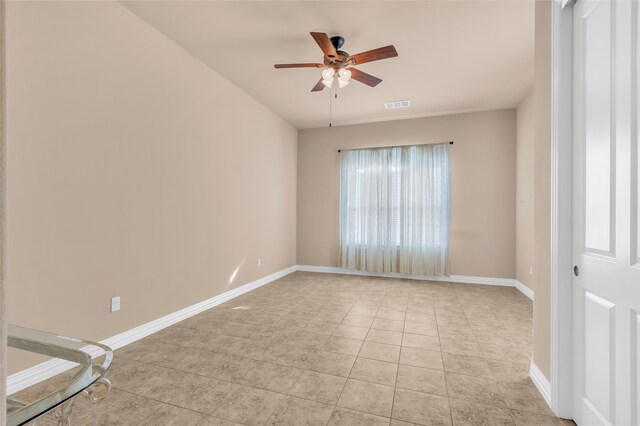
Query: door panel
599,319
635,113
606,286
598,138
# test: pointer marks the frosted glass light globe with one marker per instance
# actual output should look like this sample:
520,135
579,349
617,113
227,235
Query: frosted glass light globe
344,74
328,74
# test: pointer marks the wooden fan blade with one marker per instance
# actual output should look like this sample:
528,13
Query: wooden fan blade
373,55
365,78
319,87
298,66
325,44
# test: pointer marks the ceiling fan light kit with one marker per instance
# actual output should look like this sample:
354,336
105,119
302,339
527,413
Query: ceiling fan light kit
338,62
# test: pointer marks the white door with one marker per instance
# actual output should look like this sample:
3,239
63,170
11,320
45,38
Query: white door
606,247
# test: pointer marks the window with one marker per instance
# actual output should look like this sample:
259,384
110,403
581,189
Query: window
394,209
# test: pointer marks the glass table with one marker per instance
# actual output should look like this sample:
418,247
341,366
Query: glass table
83,376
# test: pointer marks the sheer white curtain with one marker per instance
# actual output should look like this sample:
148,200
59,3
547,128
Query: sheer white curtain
394,209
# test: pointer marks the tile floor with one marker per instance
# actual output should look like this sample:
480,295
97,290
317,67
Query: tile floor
321,349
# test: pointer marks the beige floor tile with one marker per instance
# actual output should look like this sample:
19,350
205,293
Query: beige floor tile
364,312
421,380
152,352
201,322
305,340
217,421
205,394
460,347
186,337
357,321
430,329
173,416
292,356
420,341
320,327
472,388
231,368
390,315
384,336
524,398
421,358
330,317
504,353
250,406
510,372
459,333
421,408
350,332
246,331
369,370
396,422
345,417
334,363
274,377
342,346
380,352
150,381
394,304
467,413
499,337
368,301
226,344
319,387
388,324
120,409
457,321
367,397
523,418
420,318
301,412
469,365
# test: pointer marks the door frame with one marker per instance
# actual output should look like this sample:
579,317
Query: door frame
3,211
561,207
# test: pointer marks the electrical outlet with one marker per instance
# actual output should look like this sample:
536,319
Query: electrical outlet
259,262
530,270
115,304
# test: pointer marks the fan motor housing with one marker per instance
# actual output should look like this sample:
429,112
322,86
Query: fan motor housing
338,62
337,41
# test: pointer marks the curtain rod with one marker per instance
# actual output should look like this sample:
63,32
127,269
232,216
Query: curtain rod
394,146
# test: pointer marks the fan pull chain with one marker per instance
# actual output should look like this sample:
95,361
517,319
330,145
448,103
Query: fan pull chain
335,96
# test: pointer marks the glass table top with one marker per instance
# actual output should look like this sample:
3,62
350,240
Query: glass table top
76,357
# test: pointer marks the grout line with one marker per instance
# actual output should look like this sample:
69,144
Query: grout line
346,379
354,362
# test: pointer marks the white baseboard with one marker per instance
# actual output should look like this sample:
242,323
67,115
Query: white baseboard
541,382
506,282
48,369
524,289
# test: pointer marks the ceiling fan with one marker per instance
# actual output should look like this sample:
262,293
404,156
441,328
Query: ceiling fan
341,63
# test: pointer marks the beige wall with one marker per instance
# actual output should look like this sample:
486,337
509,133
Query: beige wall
524,189
542,191
134,171
483,186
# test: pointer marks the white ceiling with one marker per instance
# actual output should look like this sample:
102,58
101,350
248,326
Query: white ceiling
454,56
